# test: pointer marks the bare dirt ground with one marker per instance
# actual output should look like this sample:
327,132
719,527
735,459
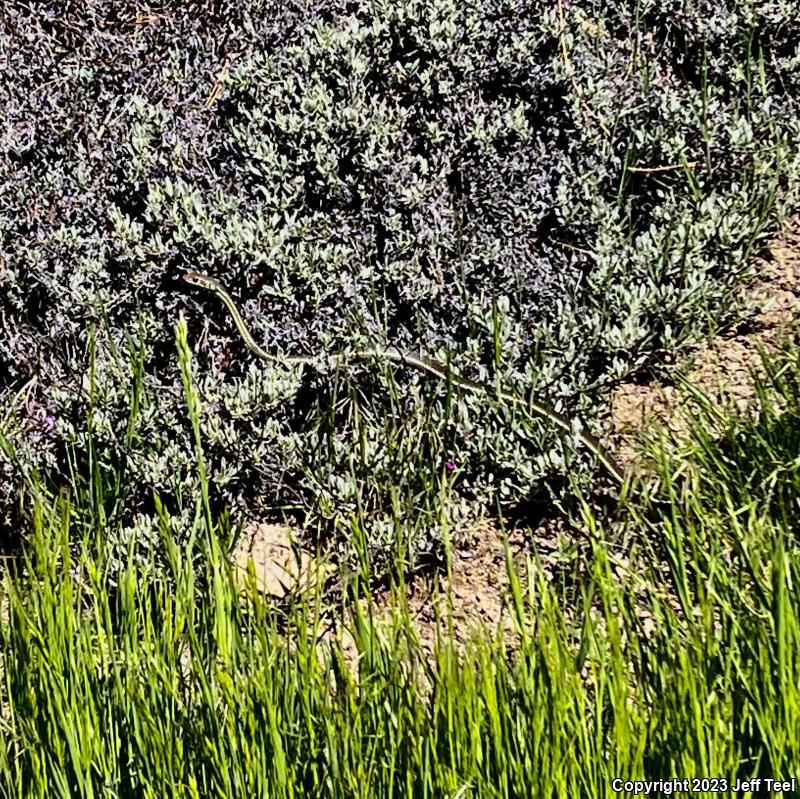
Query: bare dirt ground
722,367
478,589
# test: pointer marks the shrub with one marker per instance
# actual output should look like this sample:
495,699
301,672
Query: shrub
554,195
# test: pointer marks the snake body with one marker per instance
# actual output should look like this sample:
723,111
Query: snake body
415,361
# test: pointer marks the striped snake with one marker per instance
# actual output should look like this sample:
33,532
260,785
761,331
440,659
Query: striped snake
415,361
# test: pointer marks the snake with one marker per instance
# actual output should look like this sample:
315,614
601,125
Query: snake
421,363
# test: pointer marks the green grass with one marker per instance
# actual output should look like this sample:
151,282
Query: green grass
679,655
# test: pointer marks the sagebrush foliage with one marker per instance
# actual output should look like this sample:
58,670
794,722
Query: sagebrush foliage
553,195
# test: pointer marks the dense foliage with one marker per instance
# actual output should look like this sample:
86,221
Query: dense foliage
551,194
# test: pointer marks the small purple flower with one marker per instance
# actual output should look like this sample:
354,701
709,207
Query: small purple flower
50,421
450,466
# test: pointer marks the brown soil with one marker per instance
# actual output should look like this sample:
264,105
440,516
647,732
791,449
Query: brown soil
722,368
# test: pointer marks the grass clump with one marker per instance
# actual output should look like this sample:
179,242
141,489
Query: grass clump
680,659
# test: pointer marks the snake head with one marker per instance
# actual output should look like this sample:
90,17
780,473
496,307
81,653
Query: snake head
205,282
195,278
